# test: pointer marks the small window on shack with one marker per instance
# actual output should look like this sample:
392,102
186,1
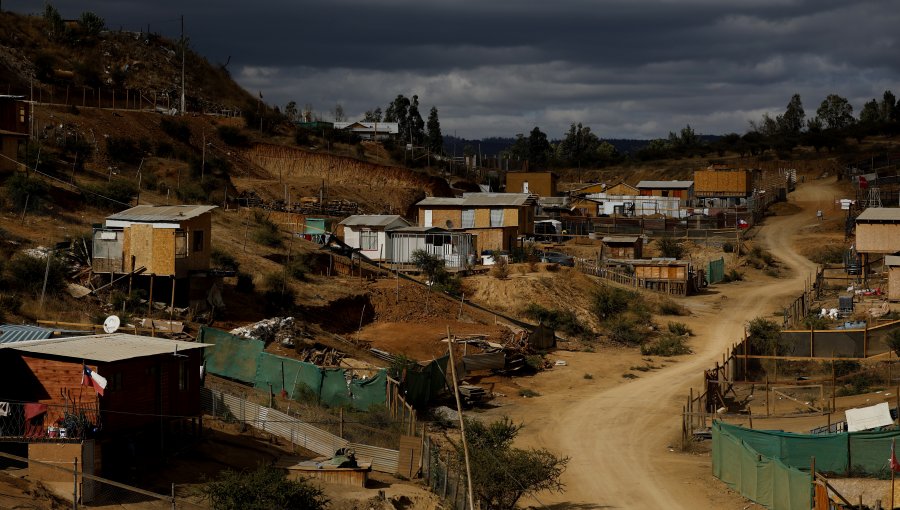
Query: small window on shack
198,241
180,244
368,240
183,380
115,382
21,114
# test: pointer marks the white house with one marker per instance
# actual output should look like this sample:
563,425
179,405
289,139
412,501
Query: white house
370,130
368,233
637,205
455,248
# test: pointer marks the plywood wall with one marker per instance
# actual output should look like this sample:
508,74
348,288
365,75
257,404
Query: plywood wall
722,183
877,238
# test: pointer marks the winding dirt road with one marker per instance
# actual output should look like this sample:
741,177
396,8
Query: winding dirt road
618,438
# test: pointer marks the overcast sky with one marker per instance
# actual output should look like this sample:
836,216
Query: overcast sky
626,68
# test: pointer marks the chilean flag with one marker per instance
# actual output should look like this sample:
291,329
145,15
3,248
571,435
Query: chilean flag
895,466
863,183
91,378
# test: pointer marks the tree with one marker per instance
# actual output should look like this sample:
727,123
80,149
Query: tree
415,124
56,27
262,489
372,115
398,111
765,337
92,24
339,113
888,105
870,114
791,123
502,474
290,111
434,140
575,149
835,112
538,148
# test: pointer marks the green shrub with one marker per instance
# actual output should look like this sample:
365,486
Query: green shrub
535,362
123,149
670,248
561,320
191,193
764,336
177,129
624,330
164,150
500,269
21,188
224,260
732,275
609,301
110,195
267,234
727,247
279,297
26,273
828,254
667,345
528,393
265,488
232,136
680,329
670,307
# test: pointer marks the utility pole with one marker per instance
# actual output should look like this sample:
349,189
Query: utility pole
183,48
203,160
462,422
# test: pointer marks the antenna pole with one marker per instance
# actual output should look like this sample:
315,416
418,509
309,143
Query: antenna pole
182,63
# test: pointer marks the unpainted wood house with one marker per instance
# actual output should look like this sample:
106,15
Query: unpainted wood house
495,219
15,121
165,240
542,184
150,384
683,190
623,247
877,234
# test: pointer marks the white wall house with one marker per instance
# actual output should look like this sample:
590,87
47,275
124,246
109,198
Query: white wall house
367,232
637,205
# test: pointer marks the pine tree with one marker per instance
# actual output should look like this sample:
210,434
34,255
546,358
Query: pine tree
434,138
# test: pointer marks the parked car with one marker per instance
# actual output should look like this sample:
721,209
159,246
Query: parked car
555,257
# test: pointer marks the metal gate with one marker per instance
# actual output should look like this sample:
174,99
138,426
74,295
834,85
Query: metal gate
716,271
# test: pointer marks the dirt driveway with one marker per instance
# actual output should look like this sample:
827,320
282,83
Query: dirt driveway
619,435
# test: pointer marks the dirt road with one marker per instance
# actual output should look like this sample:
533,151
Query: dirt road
618,437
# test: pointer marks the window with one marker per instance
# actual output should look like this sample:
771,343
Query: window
468,218
21,115
180,244
198,241
368,240
115,382
496,217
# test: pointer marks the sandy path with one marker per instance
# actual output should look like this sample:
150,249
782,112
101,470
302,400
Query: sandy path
617,438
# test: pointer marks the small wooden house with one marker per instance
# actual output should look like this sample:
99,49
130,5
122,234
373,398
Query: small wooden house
712,183
683,190
15,121
542,184
150,384
877,233
668,275
166,240
623,247
496,219
892,263
368,233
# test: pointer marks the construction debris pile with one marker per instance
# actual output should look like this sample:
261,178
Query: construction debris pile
284,330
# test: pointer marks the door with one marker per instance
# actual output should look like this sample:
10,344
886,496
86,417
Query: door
429,217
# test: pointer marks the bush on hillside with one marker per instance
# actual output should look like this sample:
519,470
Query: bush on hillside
177,129
667,345
609,301
112,195
624,330
670,248
26,273
21,188
123,149
232,136
564,321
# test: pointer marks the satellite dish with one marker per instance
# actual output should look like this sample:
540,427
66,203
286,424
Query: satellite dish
449,223
111,324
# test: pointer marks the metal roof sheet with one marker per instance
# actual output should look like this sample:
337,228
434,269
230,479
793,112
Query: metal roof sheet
665,184
482,200
891,260
880,214
104,348
155,213
418,230
373,220
11,333
620,239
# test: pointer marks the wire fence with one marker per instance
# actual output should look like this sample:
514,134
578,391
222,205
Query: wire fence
74,481
445,476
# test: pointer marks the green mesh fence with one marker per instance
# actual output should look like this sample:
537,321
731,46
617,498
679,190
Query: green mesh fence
422,383
772,467
757,477
243,359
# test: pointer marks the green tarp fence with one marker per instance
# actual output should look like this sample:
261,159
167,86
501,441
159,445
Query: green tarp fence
757,477
422,383
716,271
243,359
772,467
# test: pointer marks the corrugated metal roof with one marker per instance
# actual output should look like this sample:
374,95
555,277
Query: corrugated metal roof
891,260
620,239
665,184
11,333
481,200
373,220
418,230
880,214
105,348
154,213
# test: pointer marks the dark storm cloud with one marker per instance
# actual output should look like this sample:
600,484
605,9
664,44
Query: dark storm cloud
627,68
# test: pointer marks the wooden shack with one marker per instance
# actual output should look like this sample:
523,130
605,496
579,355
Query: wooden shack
542,184
892,263
151,383
722,183
15,121
166,240
668,275
623,247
